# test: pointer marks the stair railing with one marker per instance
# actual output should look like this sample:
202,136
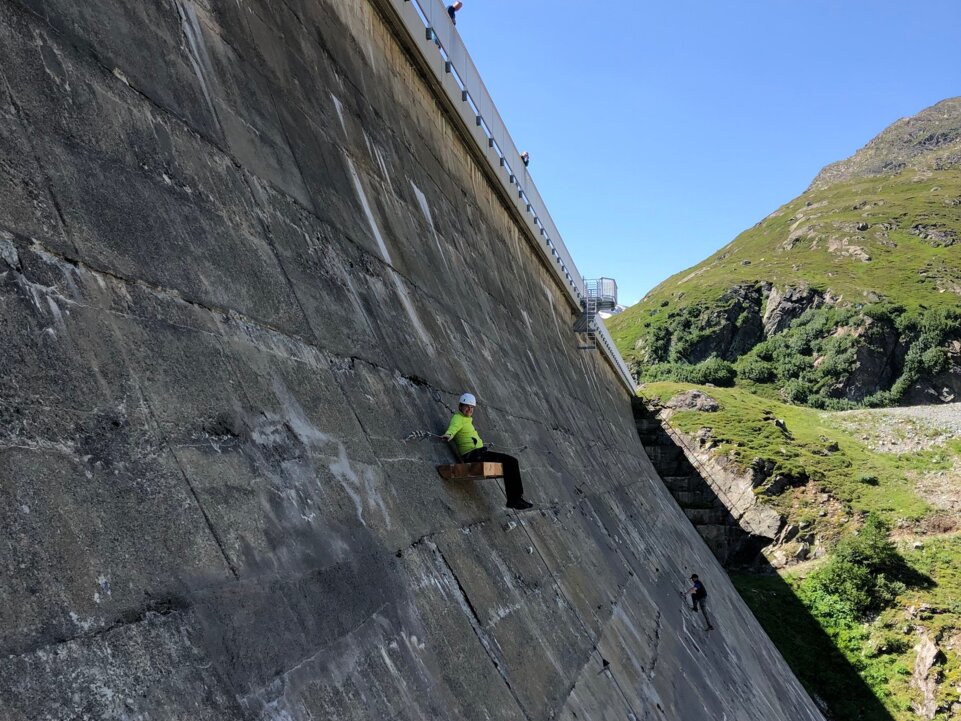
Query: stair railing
702,470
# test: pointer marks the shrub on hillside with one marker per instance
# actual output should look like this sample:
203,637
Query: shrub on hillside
714,371
813,363
753,368
863,574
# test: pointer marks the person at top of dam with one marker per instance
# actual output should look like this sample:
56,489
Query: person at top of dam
452,11
472,449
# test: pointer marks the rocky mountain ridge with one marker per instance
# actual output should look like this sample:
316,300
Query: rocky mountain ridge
930,140
845,296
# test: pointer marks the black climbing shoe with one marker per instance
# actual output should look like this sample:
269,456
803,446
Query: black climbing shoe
519,504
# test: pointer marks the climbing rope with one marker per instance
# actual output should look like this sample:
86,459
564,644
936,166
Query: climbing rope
512,449
424,435
420,436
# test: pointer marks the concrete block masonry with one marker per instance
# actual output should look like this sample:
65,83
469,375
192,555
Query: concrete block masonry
244,252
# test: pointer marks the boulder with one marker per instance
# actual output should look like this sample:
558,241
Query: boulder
693,400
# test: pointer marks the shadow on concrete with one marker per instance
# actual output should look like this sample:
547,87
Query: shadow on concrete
833,682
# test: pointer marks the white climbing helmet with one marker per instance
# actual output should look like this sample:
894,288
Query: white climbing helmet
468,400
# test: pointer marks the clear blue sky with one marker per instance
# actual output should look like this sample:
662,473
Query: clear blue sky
659,131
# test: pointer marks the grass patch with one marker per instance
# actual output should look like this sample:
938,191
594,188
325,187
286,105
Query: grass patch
849,627
818,660
814,445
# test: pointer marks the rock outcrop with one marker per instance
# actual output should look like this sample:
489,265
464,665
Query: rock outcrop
245,250
942,387
784,307
926,676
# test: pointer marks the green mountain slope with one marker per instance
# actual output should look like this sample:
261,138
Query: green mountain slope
847,296
848,292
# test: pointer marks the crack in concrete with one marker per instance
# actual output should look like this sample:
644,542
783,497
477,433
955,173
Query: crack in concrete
165,606
285,673
172,604
227,314
478,627
657,642
183,472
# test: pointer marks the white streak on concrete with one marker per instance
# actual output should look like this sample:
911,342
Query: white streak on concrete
57,315
340,111
8,251
425,209
198,50
398,283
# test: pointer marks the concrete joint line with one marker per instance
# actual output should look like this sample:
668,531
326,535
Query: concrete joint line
193,491
168,606
478,629
307,659
174,295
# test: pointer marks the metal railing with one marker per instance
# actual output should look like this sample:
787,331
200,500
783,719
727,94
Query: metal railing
702,470
432,33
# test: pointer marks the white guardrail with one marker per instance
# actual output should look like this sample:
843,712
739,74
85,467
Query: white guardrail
434,35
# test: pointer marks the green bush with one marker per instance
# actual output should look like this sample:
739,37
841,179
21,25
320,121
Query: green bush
934,360
786,360
862,574
713,370
753,368
795,391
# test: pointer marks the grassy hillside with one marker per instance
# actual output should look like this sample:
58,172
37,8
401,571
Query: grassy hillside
817,241
816,449
851,632
847,297
876,261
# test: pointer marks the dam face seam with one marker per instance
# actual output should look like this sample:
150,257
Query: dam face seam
193,492
478,627
221,314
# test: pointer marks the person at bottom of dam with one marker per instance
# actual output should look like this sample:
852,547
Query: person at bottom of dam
472,449
698,594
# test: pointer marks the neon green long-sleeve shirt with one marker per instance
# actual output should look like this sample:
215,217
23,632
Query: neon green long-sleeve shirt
461,430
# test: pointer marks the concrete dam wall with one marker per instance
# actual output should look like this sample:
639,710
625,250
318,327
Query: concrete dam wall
245,251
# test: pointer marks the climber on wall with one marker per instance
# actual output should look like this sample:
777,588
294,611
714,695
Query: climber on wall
472,449
698,596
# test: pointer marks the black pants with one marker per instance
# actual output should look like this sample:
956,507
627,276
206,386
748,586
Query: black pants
513,486
701,604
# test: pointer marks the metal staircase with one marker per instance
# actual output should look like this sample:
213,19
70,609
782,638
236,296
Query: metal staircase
600,294
586,322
